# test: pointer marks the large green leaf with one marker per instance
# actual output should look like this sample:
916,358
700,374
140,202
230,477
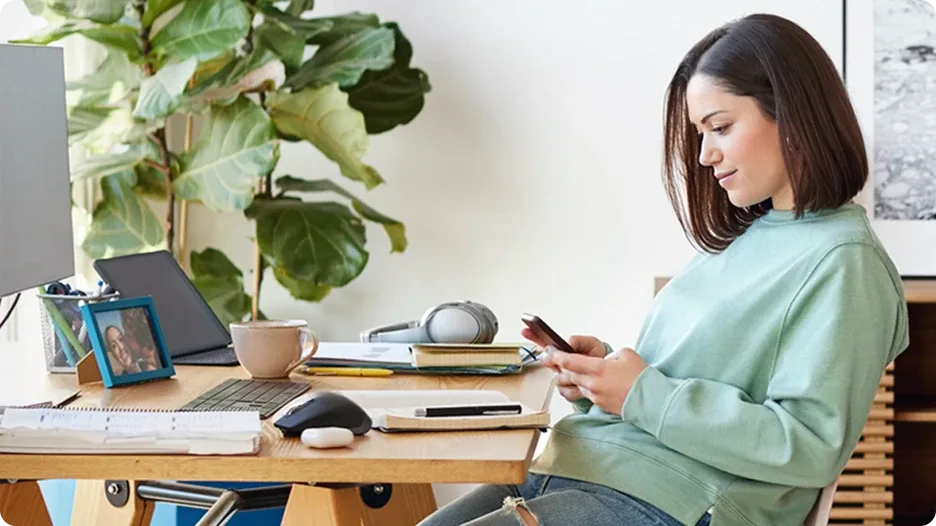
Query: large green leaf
154,8
104,165
396,231
346,60
203,29
109,83
259,71
150,182
236,148
306,28
323,117
102,11
35,7
121,37
161,94
119,128
84,119
122,222
393,96
343,26
297,7
321,242
301,290
213,262
221,283
288,45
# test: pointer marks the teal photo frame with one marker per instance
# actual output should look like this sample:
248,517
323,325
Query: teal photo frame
128,342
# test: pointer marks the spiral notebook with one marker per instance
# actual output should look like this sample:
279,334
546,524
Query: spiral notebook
76,431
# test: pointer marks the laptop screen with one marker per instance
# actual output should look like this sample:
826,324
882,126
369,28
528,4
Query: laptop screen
188,323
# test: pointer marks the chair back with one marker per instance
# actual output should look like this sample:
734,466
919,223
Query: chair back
819,514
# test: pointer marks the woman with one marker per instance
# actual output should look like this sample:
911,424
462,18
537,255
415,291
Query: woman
756,368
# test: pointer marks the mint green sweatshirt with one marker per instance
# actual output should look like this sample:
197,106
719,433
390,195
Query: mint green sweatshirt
763,365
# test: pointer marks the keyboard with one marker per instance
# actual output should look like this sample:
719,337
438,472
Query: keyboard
264,396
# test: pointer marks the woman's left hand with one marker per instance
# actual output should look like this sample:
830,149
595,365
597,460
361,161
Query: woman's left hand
605,381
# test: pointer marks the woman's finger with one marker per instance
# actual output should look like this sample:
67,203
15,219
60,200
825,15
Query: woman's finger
570,393
528,334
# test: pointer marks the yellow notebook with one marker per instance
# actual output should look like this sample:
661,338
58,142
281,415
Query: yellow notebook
452,355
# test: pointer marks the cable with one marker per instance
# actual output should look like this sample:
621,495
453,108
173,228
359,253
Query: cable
10,310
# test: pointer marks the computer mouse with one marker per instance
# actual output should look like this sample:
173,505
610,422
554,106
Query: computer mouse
327,409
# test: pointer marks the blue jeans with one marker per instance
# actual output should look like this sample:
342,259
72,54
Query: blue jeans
554,501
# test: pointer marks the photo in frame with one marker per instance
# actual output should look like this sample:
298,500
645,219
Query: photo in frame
128,342
890,71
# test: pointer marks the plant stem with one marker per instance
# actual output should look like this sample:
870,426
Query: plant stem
160,138
183,205
264,188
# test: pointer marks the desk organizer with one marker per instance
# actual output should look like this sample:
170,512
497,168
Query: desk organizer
65,339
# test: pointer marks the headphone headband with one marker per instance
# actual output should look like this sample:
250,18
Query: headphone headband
451,322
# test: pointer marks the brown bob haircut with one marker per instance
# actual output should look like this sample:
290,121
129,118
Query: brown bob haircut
796,85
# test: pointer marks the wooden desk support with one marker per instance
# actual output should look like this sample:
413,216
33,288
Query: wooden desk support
406,463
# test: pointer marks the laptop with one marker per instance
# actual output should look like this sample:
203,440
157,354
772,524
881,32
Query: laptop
193,333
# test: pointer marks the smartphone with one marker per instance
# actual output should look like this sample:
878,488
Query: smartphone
544,332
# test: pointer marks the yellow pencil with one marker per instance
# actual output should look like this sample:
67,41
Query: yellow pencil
345,371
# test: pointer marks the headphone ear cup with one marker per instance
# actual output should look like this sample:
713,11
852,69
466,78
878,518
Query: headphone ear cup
488,321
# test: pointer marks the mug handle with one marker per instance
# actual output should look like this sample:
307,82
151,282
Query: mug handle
307,352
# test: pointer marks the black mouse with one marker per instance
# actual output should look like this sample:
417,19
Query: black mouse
325,410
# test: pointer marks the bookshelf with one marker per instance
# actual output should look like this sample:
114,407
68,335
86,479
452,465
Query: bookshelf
891,477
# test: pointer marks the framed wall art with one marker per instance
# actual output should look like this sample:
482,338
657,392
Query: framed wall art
890,71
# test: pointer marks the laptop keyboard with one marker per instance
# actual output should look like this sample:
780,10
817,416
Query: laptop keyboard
265,396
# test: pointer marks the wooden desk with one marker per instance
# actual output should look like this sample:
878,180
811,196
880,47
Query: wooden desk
410,461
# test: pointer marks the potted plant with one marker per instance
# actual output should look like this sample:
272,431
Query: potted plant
256,73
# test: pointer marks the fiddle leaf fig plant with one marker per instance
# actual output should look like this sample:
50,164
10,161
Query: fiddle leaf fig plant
256,74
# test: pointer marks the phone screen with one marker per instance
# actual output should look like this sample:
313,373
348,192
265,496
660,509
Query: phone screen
544,332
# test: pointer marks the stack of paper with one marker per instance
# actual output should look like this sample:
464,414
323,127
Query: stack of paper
424,358
79,431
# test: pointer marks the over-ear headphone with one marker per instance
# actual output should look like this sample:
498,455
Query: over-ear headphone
453,322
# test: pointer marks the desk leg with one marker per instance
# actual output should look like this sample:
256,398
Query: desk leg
92,507
319,506
21,504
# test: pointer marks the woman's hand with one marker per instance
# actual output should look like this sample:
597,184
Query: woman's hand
585,345
605,381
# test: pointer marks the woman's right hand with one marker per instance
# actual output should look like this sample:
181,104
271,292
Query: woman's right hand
586,345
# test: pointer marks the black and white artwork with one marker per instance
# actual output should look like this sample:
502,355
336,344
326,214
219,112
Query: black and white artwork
904,110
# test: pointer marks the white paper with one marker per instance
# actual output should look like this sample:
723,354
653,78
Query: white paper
395,353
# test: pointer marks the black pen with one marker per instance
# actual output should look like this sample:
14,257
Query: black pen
470,410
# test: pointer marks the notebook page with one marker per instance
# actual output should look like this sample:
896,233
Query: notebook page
133,423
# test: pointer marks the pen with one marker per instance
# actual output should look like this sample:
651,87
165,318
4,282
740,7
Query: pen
470,410
345,371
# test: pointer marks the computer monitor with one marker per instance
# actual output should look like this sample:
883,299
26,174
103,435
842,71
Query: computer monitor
36,239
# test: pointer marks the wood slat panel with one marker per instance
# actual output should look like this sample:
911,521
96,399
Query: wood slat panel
861,513
863,496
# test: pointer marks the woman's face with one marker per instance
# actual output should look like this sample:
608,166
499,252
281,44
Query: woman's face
740,144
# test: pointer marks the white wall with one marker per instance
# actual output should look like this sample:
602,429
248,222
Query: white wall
531,180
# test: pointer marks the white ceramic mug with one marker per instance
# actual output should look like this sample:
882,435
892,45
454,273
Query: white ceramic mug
272,348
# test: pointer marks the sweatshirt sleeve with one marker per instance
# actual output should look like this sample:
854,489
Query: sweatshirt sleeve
844,325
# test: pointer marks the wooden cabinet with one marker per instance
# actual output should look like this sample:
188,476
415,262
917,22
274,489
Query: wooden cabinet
891,477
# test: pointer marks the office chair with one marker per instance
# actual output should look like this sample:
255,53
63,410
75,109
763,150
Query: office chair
819,514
